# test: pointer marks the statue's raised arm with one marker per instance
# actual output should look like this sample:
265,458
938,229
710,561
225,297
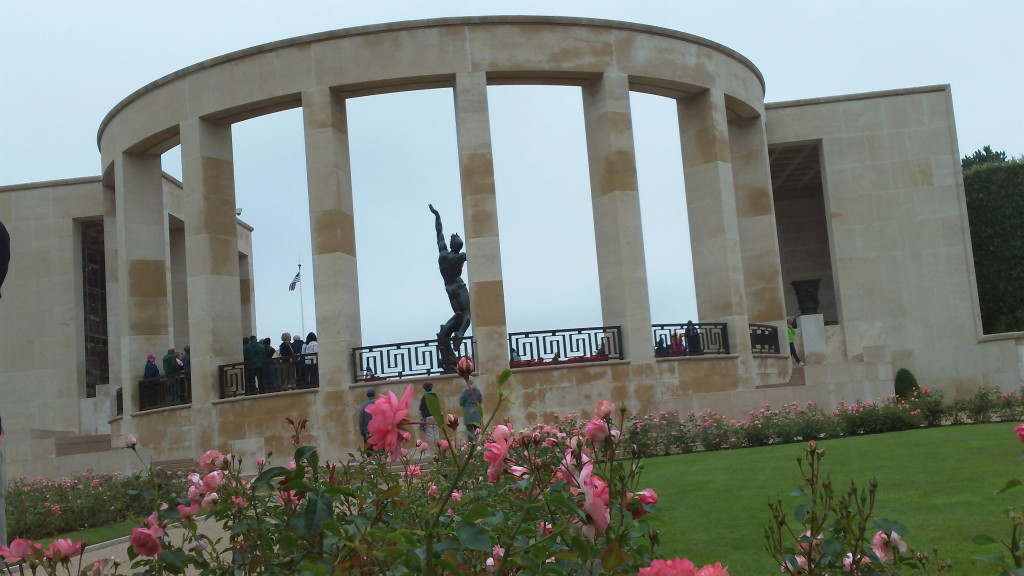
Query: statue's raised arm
441,246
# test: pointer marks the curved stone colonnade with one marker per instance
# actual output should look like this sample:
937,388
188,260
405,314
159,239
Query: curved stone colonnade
728,192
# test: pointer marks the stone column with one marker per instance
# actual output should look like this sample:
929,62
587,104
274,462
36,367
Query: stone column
110,236
755,212
332,226
621,268
714,228
480,218
211,249
142,269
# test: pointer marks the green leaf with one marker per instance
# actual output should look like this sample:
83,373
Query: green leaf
886,525
801,512
269,474
434,406
834,548
504,376
1009,484
174,558
303,453
477,512
997,560
474,537
391,492
613,556
317,511
982,539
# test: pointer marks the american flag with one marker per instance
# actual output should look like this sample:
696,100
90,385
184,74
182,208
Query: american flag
295,281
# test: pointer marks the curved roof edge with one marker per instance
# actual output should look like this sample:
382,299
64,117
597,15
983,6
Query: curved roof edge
426,23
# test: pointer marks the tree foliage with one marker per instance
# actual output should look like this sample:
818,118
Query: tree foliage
995,207
982,157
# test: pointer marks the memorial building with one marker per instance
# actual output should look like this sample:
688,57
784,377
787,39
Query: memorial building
846,212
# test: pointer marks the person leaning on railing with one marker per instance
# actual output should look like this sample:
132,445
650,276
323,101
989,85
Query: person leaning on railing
310,350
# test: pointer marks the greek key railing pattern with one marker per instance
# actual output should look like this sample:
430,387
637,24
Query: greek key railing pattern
402,360
568,346
164,391
273,375
764,339
713,339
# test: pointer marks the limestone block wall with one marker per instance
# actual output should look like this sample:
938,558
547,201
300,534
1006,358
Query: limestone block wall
42,369
897,229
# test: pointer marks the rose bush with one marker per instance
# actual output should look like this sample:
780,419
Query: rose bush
532,500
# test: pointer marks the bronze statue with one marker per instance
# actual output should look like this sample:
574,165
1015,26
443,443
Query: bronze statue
450,260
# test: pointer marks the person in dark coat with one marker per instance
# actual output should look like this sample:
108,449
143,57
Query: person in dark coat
269,366
287,369
364,416
5,252
151,370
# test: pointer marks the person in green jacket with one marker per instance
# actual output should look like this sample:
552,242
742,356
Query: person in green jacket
791,328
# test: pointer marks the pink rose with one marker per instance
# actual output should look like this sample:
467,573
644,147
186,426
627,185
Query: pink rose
130,442
209,500
261,462
465,368
154,524
443,445
432,490
716,570
647,496
854,567
19,549
604,409
495,453
63,548
413,470
677,567
884,545
595,504
597,431
500,432
1019,429
144,543
801,565
210,460
212,481
387,418
188,512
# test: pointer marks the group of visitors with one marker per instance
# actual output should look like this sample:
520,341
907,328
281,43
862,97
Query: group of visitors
470,399
686,344
177,366
292,365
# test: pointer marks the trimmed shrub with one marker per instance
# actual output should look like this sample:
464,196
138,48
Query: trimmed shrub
905,384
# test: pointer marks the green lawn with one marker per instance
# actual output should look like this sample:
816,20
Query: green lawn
96,535
938,482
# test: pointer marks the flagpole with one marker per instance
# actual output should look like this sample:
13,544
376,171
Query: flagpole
302,307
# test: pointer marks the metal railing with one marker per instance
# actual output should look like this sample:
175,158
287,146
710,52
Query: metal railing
705,338
764,339
173,390
402,360
570,346
272,375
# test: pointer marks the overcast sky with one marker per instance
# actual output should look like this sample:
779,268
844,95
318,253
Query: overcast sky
64,65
